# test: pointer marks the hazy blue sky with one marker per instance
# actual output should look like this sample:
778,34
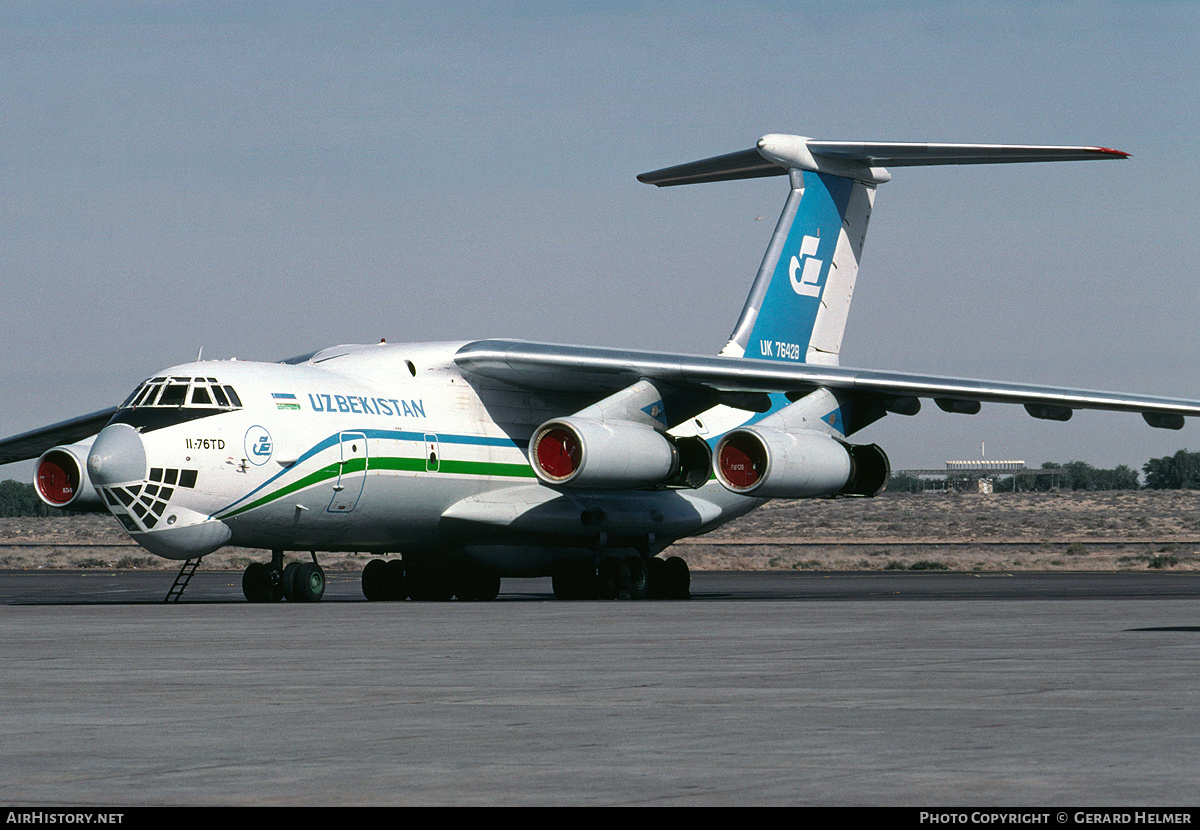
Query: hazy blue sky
264,179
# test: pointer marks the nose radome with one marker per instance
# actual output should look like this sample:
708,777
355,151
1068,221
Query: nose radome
117,456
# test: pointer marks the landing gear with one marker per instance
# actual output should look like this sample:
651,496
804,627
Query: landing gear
308,584
261,584
298,582
476,583
677,579
633,577
638,577
383,580
396,579
575,579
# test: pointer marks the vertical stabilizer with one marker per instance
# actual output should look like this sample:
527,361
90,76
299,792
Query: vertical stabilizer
800,300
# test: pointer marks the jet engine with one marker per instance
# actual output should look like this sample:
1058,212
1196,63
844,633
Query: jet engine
60,477
611,455
771,463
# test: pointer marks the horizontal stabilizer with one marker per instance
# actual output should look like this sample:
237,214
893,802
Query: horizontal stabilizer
896,154
775,154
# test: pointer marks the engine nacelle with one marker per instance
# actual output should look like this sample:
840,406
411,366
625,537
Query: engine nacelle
609,455
770,463
60,477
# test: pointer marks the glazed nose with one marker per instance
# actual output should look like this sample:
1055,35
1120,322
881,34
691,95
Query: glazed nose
117,456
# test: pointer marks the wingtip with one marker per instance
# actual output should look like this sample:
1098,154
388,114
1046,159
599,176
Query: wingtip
1109,151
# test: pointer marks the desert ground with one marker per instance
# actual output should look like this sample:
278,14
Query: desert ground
1121,530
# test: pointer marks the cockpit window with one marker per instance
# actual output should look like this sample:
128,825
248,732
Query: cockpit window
174,395
187,393
144,394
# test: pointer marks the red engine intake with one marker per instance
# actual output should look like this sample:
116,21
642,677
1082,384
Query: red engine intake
771,463
60,478
609,455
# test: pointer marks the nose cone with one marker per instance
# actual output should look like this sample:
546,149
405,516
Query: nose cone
117,456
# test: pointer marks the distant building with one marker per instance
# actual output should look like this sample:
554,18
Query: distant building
978,475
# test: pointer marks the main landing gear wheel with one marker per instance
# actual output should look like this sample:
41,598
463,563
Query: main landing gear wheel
633,577
639,578
574,579
384,580
477,584
429,583
610,573
677,579
261,584
298,582
395,579
308,584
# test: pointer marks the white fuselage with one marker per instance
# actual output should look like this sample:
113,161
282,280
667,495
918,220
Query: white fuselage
383,448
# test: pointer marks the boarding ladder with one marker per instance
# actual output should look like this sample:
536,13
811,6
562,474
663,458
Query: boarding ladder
182,580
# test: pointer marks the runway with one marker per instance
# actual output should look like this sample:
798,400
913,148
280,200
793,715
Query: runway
916,689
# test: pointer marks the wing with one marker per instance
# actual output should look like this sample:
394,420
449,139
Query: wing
565,368
35,442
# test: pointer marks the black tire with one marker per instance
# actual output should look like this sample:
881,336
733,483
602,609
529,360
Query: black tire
574,579
639,580
375,580
488,587
589,586
476,584
429,583
256,583
656,576
564,581
677,579
395,580
608,578
310,583
289,581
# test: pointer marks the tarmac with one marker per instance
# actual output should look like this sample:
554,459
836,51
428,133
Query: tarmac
924,690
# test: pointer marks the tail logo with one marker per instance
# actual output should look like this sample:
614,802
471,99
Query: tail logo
808,267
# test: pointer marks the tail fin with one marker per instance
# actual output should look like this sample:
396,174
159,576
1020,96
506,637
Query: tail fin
800,299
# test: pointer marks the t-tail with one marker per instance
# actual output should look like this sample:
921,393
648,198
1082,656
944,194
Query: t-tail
800,299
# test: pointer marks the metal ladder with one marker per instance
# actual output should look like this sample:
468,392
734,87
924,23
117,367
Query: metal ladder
181,580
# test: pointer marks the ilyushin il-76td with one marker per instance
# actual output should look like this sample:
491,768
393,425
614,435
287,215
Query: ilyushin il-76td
458,464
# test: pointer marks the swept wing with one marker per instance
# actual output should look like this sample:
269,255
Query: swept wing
564,368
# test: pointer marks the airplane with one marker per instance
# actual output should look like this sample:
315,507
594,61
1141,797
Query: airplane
459,464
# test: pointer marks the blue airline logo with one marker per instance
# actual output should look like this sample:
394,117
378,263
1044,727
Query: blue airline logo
258,445
809,284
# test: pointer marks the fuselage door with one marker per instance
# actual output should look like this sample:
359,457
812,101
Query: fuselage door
433,455
352,472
